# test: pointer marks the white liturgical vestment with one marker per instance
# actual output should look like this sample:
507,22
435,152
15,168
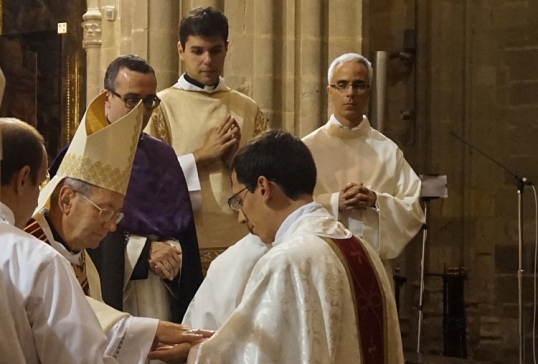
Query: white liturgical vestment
298,305
224,285
364,155
44,315
129,338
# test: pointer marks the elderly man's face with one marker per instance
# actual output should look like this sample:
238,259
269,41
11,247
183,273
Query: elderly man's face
349,103
130,84
83,223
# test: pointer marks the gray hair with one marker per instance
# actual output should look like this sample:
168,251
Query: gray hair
77,185
80,186
351,57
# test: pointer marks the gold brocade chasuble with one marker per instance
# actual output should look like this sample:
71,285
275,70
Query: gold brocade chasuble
183,120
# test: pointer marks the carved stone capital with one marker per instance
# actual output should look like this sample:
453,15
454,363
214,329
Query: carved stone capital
92,29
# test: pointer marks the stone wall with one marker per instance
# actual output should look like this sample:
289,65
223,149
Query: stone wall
475,76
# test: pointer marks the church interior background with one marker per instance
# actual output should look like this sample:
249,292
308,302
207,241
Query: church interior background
471,70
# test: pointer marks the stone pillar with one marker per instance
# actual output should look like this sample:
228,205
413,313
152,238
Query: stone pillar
217,4
135,26
92,44
345,27
113,33
345,33
309,66
162,41
264,58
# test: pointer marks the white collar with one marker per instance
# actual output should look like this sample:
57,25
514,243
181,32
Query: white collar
289,222
314,219
74,258
6,214
333,120
183,84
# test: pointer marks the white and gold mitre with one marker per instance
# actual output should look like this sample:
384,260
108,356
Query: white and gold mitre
100,153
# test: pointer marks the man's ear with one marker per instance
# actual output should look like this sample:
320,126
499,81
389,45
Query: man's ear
180,50
266,188
65,199
226,45
108,96
22,180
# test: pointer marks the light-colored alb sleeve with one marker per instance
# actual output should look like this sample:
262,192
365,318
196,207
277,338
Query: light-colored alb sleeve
223,287
64,327
188,164
129,338
398,216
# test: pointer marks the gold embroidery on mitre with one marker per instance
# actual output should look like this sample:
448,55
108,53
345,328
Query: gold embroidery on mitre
134,144
97,173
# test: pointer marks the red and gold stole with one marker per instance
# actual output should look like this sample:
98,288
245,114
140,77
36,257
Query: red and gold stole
35,230
368,299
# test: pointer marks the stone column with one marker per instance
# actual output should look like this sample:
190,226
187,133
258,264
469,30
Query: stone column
217,4
135,25
162,41
309,66
345,33
92,44
345,27
264,58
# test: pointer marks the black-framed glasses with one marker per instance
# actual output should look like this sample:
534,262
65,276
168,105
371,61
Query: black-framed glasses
357,86
234,202
104,214
150,102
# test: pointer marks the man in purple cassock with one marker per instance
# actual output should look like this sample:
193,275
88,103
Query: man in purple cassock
150,266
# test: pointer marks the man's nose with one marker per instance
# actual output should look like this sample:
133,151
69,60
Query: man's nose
349,91
207,58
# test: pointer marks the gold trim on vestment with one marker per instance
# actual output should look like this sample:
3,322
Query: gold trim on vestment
159,126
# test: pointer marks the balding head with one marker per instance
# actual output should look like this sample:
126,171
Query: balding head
24,168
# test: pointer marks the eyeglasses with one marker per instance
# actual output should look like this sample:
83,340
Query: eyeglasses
150,102
358,86
234,203
104,214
